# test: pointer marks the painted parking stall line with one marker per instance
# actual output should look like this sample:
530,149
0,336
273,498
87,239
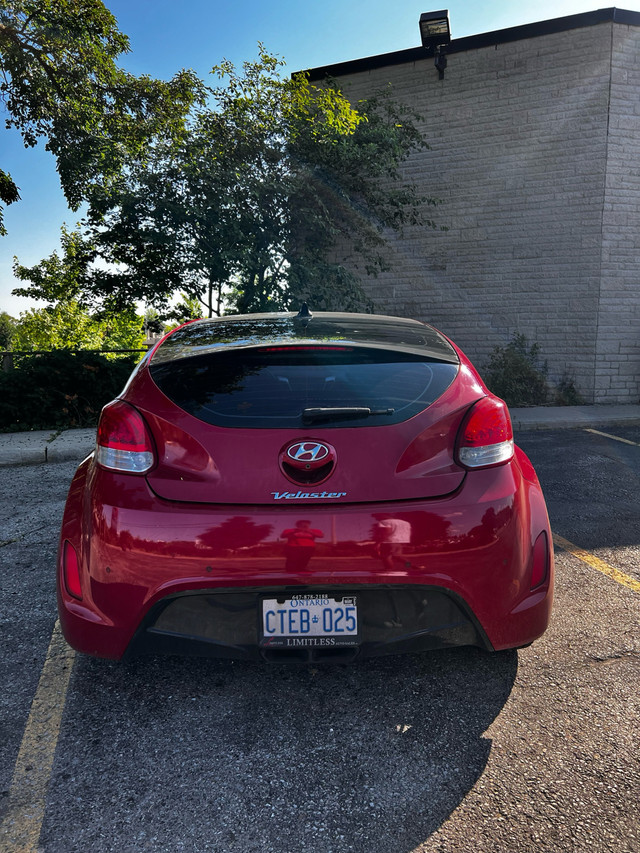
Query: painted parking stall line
597,563
20,829
613,437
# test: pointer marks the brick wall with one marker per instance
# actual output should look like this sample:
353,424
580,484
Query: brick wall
541,195
617,372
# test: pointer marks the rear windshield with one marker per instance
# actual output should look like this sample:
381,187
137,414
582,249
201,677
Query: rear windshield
294,386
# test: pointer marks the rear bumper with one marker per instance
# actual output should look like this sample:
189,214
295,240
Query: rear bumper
160,576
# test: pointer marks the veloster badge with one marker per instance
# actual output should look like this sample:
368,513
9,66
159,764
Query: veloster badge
292,496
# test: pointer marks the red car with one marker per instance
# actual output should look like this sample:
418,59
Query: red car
304,487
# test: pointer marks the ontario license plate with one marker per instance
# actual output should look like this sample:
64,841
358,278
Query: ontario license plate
310,620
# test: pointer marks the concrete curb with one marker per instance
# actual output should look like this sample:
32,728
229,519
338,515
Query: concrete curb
33,448
574,417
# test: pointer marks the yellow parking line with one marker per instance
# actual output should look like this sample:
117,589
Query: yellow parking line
20,829
614,437
596,563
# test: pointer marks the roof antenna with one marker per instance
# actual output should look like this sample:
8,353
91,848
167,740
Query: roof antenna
304,313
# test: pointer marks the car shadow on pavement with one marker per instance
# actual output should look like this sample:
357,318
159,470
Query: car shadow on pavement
171,754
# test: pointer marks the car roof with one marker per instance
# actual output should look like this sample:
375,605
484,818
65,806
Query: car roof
243,331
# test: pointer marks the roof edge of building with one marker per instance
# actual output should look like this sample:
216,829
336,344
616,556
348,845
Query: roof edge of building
525,31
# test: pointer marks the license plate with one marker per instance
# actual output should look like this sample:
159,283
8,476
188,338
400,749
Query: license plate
310,620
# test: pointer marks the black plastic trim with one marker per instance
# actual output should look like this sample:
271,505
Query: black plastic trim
466,630
489,39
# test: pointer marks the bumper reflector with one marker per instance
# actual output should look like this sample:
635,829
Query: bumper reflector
540,561
71,570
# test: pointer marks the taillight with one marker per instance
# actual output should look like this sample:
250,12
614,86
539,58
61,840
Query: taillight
71,570
486,435
124,442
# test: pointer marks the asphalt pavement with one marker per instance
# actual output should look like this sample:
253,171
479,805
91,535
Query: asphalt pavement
33,448
443,752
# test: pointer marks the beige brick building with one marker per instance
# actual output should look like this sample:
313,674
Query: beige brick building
535,153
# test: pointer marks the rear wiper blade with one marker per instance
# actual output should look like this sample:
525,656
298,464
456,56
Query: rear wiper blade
329,413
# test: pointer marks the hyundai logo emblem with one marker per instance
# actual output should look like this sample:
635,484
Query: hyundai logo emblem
308,451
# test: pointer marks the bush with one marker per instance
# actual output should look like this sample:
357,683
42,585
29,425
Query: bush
516,374
60,389
566,393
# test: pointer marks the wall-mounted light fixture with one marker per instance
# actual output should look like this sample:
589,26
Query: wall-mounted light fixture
436,33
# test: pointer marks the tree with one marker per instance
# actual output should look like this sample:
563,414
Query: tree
59,278
187,308
64,326
68,321
59,80
254,205
123,331
68,326
7,330
153,325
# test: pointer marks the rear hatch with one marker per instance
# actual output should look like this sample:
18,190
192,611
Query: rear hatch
280,410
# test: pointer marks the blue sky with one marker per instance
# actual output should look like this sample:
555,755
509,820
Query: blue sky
167,35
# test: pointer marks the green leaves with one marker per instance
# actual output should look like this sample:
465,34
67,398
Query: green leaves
244,211
70,320
516,374
60,81
8,194
59,390
57,278
68,326
249,194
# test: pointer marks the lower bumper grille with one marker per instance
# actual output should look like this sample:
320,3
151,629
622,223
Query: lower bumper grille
227,624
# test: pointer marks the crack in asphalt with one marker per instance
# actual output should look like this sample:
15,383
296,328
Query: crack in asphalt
614,656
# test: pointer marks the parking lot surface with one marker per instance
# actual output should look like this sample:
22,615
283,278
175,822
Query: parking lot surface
450,751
